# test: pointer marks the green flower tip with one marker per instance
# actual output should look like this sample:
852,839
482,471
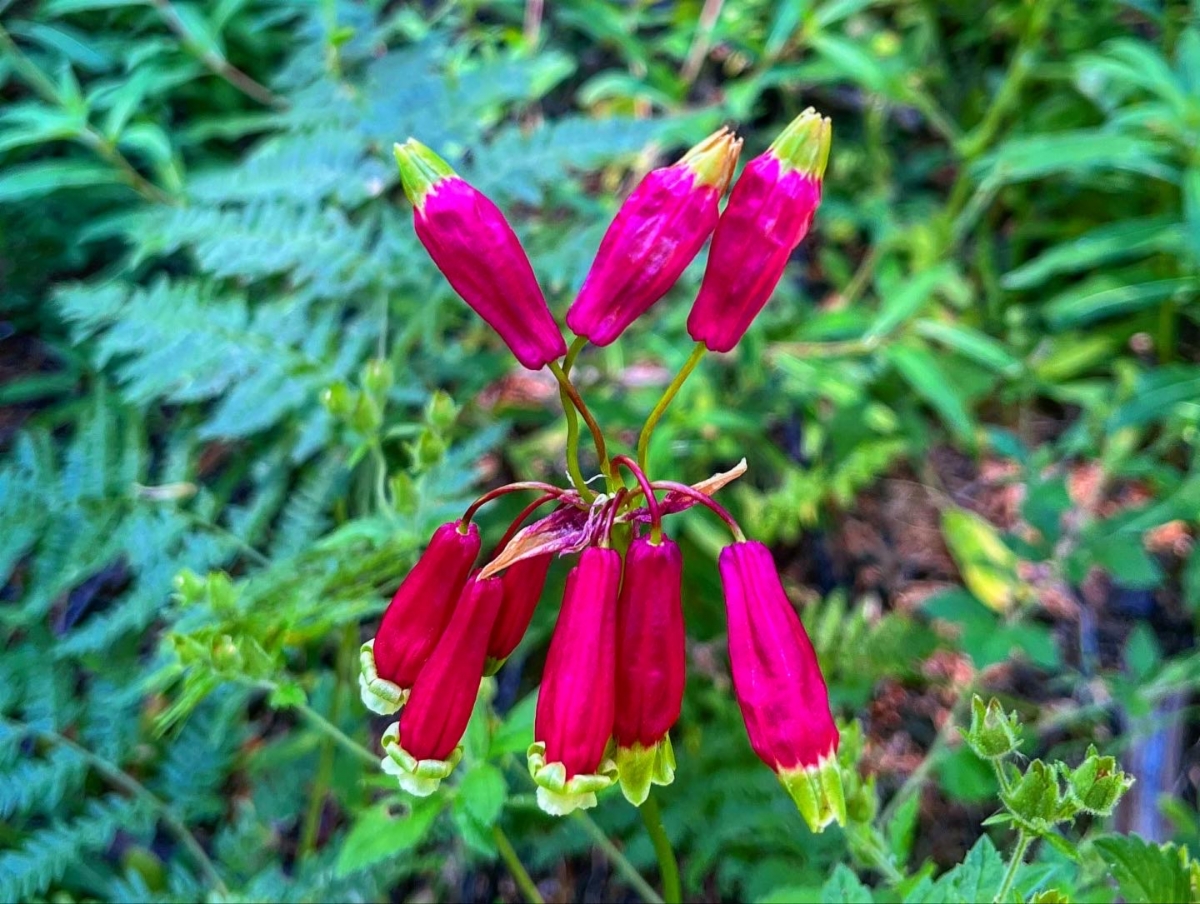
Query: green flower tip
713,159
558,795
378,694
804,144
419,778
640,767
420,169
817,792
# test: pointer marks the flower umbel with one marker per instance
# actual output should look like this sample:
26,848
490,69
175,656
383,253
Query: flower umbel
472,244
769,212
575,705
779,685
416,618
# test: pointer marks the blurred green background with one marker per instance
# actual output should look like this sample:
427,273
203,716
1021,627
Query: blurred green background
970,414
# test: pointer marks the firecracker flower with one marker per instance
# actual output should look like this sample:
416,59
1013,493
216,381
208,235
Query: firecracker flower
779,685
769,212
613,682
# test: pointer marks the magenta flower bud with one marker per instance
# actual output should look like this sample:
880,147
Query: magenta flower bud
769,212
574,718
477,251
424,749
650,666
657,232
416,618
779,685
523,583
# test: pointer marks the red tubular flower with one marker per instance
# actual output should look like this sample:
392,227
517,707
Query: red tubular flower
423,748
779,685
574,716
416,618
523,583
769,212
478,252
655,235
650,666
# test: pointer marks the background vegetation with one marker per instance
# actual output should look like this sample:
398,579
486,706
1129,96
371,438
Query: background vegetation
970,415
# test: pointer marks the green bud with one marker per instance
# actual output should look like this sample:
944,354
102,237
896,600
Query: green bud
339,400
441,412
993,733
366,417
430,448
189,586
420,169
221,592
1035,801
1098,784
405,496
804,144
377,377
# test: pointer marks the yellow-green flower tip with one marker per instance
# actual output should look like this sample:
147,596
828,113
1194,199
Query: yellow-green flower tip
817,791
418,777
558,795
640,767
714,159
420,169
804,144
378,694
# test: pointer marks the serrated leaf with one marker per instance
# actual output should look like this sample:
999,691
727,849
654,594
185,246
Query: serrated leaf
377,834
843,887
1146,873
978,877
482,793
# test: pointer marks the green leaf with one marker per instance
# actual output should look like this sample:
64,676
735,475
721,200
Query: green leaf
978,877
1146,873
1142,652
1079,154
902,828
514,733
843,887
920,370
44,177
971,344
1123,556
906,301
482,793
1090,302
1155,396
1107,244
377,834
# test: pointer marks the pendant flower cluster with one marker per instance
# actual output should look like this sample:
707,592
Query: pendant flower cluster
614,676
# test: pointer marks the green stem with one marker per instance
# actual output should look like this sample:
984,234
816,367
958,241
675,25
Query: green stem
513,862
324,775
322,724
1018,858
573,469
572,393
1001,778
871,844
660,408
619,861
668,868
123,780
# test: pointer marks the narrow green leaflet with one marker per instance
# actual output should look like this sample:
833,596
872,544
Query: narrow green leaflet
1080,153
971,344
919,369
1086,303
33,180
907,301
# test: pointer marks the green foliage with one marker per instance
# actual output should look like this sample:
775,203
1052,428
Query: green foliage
239,397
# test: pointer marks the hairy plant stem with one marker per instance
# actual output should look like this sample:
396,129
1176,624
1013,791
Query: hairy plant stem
573,469
668,867
117,776
660,407
576,399
1018,857
509,855
619,861
870,844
